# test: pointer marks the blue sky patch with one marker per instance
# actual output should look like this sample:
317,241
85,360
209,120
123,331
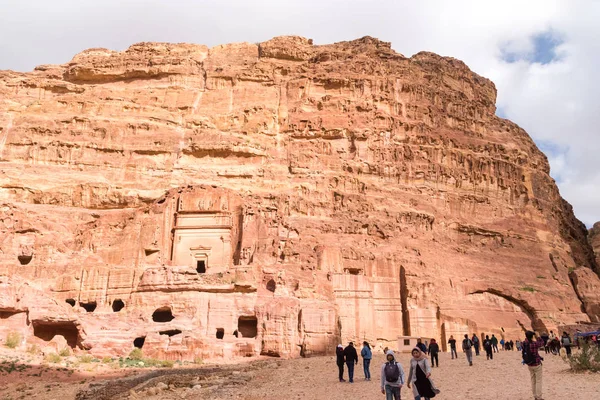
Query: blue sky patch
543,51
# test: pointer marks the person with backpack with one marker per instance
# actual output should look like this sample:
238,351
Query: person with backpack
433,351
565,341
532,359
392,377
339,352
452,343
476,344
487,346
351,360
467,346
419,376
366,355
494,343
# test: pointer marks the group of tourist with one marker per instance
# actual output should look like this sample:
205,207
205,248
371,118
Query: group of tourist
419,376
392,372
489,344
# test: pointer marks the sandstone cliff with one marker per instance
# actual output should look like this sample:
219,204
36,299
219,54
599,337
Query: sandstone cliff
275,199
594,239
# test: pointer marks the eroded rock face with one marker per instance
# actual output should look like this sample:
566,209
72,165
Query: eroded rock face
594,239
275,199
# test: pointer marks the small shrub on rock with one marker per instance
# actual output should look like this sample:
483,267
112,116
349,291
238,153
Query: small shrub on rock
86,359
65,352
13,339
33,349
53,358
136,354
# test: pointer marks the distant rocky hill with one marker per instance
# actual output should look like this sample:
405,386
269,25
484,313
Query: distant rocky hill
275,198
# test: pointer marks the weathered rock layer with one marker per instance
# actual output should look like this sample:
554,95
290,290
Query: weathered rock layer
275,199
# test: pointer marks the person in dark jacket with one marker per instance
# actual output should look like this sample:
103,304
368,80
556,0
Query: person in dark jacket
467,346
366,354
339,352
566,342
351,360
421,346
452,343
487,346
494,340
433,350
476,343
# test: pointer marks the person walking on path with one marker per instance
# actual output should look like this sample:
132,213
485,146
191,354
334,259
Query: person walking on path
476,344
351,360
532,359
452,343
392,377
487,346
565,341
419,376
366,355
495,343
467,346
339,352
421,345
502,342
545,338
433,351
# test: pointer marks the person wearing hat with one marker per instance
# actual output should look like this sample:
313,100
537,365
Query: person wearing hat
339,352
351,360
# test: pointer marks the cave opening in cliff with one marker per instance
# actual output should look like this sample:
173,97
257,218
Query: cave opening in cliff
248,326
5,314
24,260
118,305
404,303
70,302
162,314
138,342
271,286
220,333
170,332
201,266
46,330
354,271
89,307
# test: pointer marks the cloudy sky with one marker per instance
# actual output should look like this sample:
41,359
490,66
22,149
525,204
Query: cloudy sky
542,55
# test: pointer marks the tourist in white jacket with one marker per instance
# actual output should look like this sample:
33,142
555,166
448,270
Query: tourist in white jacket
419,376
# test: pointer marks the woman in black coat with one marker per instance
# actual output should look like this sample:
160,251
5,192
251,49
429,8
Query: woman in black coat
339,352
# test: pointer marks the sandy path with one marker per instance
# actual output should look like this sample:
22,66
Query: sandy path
504,378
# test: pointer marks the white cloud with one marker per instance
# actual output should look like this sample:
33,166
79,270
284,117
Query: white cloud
557,103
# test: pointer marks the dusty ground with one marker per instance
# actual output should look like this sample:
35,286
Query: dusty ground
504,378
